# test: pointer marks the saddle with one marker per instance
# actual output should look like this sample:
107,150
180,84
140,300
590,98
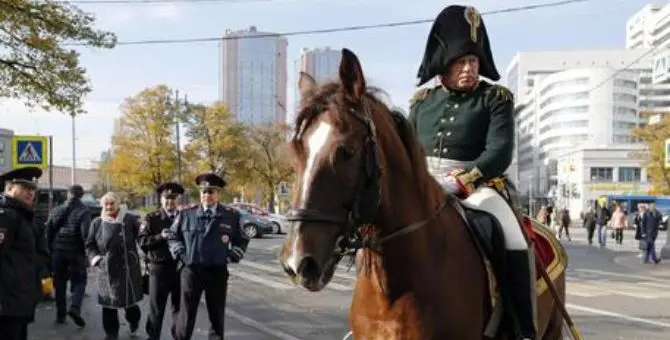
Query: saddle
489,237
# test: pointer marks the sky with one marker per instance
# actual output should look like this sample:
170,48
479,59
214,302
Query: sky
389,56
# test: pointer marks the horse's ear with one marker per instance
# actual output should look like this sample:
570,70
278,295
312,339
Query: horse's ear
306,83
351,74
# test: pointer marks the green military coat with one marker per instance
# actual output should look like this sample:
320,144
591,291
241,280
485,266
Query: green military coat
474,127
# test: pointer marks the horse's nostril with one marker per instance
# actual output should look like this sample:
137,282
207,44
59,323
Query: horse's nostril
309,269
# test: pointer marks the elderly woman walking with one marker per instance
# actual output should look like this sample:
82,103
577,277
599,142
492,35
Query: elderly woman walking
112,248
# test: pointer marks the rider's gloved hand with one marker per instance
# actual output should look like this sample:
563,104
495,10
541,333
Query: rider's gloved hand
453,185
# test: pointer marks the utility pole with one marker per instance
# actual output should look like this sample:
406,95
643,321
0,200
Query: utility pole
73,177
177,115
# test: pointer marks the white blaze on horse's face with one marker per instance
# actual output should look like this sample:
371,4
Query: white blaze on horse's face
315,143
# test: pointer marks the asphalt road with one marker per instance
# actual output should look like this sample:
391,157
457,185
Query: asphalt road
611,295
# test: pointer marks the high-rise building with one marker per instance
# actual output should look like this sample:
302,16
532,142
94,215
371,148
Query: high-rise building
649,27
253,75
570,99
320,63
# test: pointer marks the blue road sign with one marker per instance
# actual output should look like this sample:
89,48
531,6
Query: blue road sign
30,151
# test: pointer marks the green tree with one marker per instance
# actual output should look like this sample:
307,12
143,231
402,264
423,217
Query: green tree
35,65
216,144
269,161
654,136
143,151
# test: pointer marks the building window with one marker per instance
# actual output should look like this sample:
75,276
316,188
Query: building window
625,83
601,174
630,175
624,97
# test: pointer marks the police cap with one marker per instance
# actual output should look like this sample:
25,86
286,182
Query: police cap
27,176
170,189
210,181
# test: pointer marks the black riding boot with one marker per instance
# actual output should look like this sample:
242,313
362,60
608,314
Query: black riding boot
522,292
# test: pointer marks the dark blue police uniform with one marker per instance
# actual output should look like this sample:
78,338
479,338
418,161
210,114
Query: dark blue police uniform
203,240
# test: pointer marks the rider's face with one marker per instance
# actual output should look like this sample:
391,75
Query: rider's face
463,73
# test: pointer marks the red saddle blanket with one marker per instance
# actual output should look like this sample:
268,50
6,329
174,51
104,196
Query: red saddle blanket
545,244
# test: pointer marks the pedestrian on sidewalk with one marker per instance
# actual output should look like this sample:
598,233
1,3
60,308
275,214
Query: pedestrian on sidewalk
651,219
112,248
542,216
590,223
67,230
603,216
637,221
619,223
564,224
163,274
23,253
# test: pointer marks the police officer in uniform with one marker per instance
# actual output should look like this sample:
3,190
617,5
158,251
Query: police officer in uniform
23,253
466,126
163,275
203,240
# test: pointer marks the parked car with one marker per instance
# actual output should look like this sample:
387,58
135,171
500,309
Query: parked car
279,222
253,225
664,221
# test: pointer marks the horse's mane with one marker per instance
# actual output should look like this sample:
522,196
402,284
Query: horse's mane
394,132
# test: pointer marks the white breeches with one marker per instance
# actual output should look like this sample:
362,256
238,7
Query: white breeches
484,199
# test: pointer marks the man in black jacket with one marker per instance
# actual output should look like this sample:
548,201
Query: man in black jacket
67,229
163,275
22,253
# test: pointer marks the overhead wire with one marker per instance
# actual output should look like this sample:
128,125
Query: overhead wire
141,2
626,67
328,30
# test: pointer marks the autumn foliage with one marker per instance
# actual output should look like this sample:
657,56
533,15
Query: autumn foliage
143,151
654,136
252,159
38,62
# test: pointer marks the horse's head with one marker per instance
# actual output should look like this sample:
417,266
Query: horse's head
338,172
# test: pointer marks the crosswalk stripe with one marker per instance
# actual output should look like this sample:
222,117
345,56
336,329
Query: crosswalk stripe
258,279
630,276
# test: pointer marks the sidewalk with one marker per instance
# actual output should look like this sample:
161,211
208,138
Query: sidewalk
45,327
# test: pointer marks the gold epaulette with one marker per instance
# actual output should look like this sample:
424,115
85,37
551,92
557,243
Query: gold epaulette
419,96
501,93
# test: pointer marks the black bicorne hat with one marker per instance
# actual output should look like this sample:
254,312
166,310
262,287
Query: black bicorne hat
456,32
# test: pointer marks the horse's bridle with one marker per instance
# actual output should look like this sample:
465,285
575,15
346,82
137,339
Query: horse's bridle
363,208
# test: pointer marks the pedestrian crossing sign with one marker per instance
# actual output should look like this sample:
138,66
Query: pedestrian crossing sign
30,151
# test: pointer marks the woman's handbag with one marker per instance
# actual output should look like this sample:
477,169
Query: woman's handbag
145,278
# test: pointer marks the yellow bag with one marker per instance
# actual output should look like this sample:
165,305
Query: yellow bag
48,286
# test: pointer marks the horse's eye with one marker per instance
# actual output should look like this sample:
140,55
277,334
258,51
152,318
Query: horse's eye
344,153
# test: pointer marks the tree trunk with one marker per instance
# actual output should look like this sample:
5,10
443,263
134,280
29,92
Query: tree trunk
271,198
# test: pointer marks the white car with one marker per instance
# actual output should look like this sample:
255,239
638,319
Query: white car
278,221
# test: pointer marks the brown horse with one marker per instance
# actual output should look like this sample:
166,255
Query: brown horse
363,173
